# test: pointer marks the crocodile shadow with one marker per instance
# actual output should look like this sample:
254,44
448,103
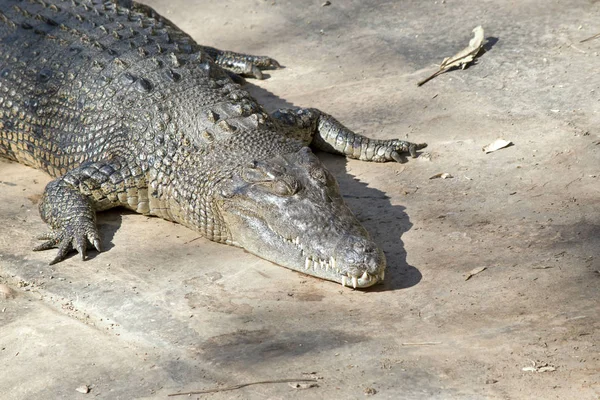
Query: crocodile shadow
267,99
108,223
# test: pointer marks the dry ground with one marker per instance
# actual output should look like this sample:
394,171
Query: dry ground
161,312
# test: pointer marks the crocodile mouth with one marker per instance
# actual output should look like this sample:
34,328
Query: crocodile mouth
329,268
346,258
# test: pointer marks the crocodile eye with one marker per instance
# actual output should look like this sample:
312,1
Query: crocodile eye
285,187
319,175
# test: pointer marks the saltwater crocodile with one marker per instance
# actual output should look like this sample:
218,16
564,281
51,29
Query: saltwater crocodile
124,109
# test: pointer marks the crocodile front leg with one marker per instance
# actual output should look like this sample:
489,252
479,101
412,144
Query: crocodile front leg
247,65
69,204
325,133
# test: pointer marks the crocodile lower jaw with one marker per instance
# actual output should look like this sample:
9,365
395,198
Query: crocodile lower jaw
329,269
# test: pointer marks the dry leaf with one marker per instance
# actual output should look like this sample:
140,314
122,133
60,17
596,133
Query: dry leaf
83,389
425,156
475,272
543,367
466,55
496,145
443,175
370,391
298,385
463,57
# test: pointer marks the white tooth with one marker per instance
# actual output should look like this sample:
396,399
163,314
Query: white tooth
332,261
382,275
307,263
297,240
344,281
365,276
326,266
315,265
354,282
322,263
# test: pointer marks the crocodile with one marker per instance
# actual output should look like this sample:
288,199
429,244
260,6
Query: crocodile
124,109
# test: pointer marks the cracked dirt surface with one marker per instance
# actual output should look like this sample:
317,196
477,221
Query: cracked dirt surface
161,311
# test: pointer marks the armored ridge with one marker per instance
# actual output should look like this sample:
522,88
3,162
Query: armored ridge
124,109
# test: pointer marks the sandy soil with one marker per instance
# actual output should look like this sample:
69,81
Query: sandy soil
162,311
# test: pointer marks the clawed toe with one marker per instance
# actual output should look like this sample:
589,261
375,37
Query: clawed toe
66,242
274,64
413,147
50,244
398,157
63,249
256,73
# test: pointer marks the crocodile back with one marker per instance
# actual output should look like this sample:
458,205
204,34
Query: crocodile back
89,80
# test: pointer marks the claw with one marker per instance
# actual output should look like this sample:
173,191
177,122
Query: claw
81,246
97,245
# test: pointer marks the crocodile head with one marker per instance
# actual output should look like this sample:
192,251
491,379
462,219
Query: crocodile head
289,210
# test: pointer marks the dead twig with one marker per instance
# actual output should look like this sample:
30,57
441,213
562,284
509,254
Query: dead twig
430,77
596,36
193,240
421,344
462,58
241,385
577,48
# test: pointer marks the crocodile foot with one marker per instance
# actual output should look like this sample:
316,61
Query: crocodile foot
79,235
396,147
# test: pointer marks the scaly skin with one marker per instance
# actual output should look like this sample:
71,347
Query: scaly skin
124,109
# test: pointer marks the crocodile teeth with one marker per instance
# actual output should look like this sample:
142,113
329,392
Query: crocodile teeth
307,263
332,262
382,275
354,282
366,276
344,281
